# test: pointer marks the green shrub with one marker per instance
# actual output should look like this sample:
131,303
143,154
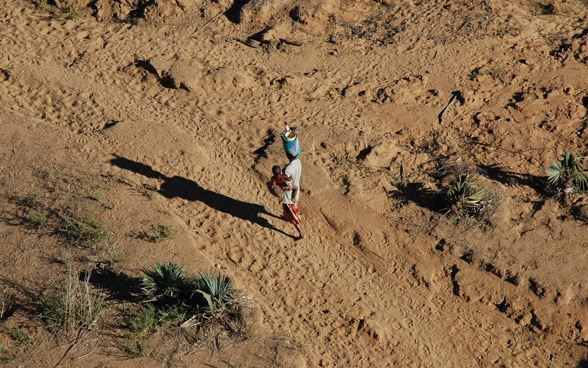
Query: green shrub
20,335
465,196
158,234
143,321
82,230
207,299
32,211
163,283
566,175
137,349
217,290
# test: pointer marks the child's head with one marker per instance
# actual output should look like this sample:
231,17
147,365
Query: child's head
276,170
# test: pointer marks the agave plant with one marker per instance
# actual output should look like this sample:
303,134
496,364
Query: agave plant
217,289
164,282
567,176
465,195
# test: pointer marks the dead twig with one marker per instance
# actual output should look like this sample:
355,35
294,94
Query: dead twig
209,21
73,345
454,95
91,351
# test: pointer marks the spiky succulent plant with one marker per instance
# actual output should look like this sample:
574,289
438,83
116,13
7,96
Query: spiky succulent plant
566,175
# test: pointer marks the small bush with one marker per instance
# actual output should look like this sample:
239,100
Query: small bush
140,323
217,290
32,211
202,299
82,230
165,283
566,176
72,306
465,197
158,234
137,349
20,335
144,320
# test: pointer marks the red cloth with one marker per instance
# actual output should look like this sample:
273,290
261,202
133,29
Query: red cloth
279,180
292,213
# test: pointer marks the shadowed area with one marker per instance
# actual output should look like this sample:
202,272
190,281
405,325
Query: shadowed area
421,196
178,186
119,285
495,172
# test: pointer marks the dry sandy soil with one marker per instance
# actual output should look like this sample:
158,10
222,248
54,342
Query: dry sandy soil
167,113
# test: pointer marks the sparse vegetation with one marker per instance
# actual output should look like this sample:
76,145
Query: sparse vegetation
298,345
8,354
567,177
137,349
20,335
466,198
71,306
498,74
157,234
164,283
206,298
141,323
541,8
7,302
32,211
82,230
20,338
61,9
222,300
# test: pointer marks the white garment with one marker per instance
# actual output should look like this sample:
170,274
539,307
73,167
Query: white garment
293,169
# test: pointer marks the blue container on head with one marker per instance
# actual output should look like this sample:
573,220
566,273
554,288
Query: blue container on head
291,141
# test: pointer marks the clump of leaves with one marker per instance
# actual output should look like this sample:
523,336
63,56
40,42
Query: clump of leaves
142,321
82,230
165,283
158,234
465,197
20,335
217,289
204,299
566,175
32,211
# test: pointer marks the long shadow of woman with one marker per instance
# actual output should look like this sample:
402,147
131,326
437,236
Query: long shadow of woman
180,187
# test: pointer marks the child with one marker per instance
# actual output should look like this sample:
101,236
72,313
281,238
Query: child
283,181
291,208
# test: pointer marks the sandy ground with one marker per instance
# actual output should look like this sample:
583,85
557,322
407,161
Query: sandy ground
173,96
